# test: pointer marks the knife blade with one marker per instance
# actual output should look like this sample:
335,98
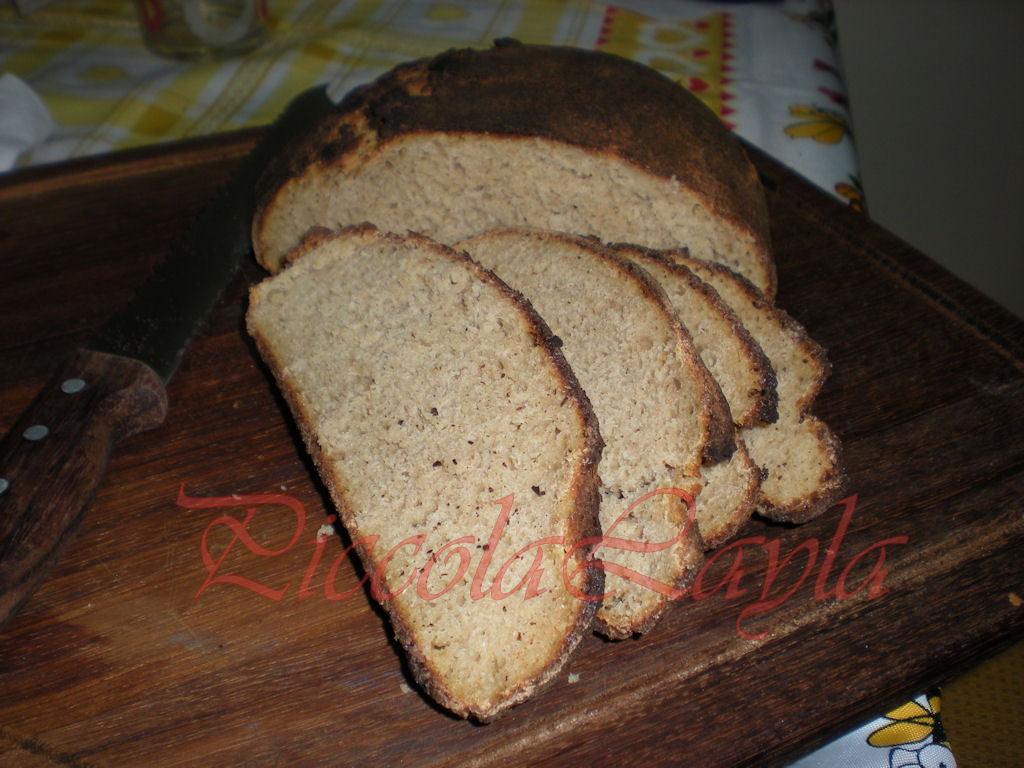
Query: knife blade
54,457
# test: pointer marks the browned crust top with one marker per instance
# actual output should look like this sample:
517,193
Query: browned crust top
594,100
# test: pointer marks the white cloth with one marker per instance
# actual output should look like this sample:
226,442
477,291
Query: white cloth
25,122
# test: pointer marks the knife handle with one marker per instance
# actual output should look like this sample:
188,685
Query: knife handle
53,459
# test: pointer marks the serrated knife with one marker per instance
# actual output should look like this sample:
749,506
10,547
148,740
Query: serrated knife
53,459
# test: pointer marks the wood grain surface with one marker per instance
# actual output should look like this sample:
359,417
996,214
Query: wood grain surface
197,621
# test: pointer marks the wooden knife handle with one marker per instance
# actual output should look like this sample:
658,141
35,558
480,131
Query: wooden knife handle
53,459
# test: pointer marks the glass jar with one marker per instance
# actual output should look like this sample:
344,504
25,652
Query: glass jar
202,29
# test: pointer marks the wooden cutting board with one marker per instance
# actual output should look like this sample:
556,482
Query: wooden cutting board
197,620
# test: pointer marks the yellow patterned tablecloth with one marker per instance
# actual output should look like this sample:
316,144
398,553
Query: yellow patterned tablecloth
768,69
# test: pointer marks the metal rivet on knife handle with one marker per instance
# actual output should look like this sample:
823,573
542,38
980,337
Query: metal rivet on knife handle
72,386
36,432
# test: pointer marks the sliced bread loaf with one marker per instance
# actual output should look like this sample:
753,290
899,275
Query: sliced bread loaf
659,410
523,136
799,453
458,447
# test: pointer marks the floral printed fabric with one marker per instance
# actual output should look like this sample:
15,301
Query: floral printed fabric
770,70
909,736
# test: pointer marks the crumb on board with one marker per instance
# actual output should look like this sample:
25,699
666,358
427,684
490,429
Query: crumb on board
1015,600
573,678
324,530
404,688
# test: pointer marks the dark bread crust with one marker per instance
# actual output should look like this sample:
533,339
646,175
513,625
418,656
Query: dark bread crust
584,488
602,103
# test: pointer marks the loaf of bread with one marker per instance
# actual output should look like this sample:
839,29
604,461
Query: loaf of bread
799,454
521,135
458,447
457,398
661,416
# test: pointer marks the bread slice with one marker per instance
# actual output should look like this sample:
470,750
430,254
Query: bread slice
523,136
656,404
434,401
745,376
729,497
800,455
